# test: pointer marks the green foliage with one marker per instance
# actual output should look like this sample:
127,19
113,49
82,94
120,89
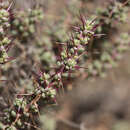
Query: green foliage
4,40
24,23
108,52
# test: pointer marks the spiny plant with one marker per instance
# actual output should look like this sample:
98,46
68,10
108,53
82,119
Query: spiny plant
28,21
21,115
56,28
5,41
